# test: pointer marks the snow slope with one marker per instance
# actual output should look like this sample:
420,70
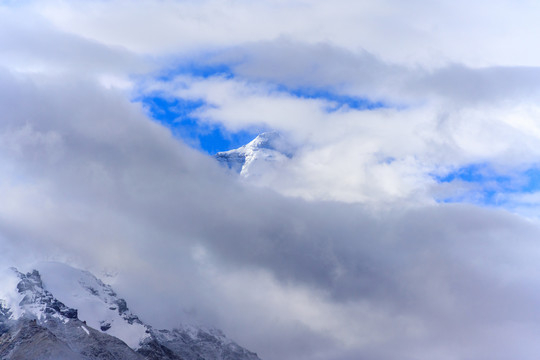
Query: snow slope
60,312
96,302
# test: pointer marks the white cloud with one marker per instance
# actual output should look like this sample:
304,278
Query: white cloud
484,33
384,154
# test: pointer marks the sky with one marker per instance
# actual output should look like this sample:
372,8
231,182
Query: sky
405,226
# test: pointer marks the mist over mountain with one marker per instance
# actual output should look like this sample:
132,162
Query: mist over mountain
36,323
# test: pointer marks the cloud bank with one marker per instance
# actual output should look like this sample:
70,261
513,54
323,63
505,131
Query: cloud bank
376,240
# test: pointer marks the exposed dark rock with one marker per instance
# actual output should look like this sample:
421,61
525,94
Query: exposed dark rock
122,306
51,330
28,340
104,326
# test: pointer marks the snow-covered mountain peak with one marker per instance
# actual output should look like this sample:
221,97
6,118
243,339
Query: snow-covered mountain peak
259,156
271,140
76,316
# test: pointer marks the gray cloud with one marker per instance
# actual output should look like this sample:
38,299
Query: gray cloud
29,43
328,67
93,181
490,84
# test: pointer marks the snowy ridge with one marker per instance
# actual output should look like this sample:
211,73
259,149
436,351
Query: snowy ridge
80,317
39,303
259,156
96,302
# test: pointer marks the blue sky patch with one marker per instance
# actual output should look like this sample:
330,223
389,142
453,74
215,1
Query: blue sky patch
352,102
476,173
486,184
176,114
533,185
197,70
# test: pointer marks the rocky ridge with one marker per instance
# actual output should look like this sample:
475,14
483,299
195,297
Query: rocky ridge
36,323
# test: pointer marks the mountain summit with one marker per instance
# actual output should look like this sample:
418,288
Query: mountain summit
63,313
262,154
